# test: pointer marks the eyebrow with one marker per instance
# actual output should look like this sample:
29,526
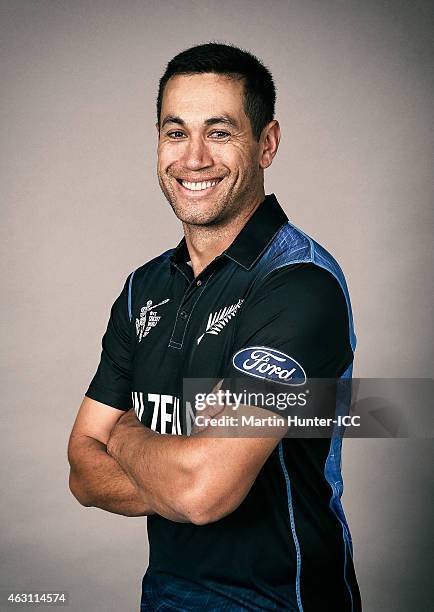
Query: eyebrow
225,119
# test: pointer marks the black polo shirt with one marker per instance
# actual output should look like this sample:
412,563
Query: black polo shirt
273,292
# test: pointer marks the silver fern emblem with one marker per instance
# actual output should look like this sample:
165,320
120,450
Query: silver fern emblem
217,320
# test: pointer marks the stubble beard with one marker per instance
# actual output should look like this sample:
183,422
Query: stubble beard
220,209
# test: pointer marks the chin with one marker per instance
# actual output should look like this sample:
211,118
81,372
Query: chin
200,219
195,213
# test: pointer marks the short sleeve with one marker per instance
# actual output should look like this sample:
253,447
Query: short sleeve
112,382
295,320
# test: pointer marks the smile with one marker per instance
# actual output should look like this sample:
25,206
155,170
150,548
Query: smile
198,186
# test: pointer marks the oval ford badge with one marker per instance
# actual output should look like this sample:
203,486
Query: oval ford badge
269,364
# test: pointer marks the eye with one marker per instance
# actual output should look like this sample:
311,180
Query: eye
219,134
176,134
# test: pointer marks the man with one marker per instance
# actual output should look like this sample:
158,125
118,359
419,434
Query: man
235,523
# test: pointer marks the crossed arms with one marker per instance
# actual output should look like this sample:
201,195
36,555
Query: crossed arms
121,466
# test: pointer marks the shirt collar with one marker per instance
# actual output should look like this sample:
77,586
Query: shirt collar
252,240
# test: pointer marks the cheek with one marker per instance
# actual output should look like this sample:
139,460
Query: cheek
233,158
166,156
244,164
242,156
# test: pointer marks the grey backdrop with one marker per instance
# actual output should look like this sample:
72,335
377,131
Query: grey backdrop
82,208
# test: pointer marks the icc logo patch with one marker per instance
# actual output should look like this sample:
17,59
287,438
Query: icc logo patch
148,318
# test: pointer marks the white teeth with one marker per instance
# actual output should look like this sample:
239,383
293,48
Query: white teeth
198,186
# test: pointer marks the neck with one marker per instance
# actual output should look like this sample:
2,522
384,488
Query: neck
205,243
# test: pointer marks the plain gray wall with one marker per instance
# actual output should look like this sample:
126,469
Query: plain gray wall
82,208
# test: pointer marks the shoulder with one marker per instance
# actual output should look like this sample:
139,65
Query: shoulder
291,245
296,263
300,310
302,292
298,283
303,280
157,264
147,274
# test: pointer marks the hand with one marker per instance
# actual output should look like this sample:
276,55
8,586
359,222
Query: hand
120,432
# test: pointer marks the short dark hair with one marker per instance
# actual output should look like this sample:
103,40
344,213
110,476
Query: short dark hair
236,63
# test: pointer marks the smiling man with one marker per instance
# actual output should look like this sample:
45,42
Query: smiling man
234,523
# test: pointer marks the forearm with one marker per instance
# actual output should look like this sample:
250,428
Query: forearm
97,479
161,468
187,477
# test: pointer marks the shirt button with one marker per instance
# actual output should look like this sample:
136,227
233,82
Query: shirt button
183,314
198,284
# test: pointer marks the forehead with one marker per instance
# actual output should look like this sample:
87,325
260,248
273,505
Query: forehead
197,96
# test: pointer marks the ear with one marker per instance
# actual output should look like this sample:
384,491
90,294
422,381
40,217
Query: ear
270,139
158,128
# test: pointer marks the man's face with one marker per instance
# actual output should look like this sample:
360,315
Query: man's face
208,159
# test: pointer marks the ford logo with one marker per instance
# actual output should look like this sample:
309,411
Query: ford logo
269,364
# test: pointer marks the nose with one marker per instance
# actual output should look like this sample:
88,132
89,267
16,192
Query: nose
197,154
